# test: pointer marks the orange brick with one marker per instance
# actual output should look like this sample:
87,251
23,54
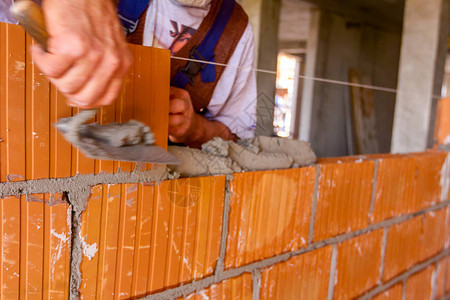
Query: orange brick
35,248
234,289
301,277
419,285
428,178
358,265
433,233
442,125
440,280
139,239
394,192
403,248
30,148
270,214
394,293
343,198
12,103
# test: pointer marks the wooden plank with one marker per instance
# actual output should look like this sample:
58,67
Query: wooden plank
363,116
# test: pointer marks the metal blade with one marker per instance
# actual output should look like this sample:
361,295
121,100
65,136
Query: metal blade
133,153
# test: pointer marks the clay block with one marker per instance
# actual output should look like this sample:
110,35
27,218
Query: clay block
433,237
394,293
138,239
403,248
302,277
35,247
234,289
442,125
270,214
419,285
395,183
343,198
358,265
429,166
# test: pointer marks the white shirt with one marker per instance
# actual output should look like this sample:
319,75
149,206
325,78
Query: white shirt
169,25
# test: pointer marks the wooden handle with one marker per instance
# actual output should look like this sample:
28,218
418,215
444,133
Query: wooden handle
30,17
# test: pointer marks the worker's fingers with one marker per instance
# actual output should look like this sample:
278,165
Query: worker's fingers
178,106
61,55
111,94
176,120
98,85
79,74
117,81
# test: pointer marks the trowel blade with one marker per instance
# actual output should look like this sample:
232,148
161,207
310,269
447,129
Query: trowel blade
133,153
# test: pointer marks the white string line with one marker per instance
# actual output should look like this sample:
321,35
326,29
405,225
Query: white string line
338,82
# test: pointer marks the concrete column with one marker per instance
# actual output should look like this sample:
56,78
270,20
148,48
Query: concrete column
419,52
310,71
264,16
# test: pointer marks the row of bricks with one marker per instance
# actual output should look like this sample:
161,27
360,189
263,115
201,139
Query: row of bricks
305,277
31,148
138,239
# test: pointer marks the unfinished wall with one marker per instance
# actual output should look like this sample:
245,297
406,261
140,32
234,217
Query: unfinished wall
372,226
344,43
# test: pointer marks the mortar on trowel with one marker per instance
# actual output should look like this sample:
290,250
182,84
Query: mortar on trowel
132,141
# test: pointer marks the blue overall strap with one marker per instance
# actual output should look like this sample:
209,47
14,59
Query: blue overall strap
205,51
129,12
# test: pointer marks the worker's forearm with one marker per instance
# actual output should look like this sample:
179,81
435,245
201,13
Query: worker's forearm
206,130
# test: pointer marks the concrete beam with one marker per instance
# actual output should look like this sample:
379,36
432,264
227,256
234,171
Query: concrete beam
419,52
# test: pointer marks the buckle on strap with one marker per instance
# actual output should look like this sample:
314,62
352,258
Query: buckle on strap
192,68
128,25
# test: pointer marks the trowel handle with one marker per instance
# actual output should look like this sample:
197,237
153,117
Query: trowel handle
30,17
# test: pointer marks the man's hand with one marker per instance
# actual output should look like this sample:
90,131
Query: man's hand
183,121
188,127
87,56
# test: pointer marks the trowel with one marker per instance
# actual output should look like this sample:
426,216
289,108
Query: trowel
131,141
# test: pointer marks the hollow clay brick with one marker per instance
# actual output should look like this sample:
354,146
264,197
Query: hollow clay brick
394,293
236,288
301,277
35,247
343,198
138,239
358,265
403,248
419,286
270,214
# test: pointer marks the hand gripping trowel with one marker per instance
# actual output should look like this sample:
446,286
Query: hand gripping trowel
131,141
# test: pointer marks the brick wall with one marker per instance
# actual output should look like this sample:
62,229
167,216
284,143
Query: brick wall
376,226
330,231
